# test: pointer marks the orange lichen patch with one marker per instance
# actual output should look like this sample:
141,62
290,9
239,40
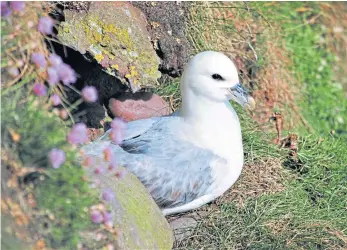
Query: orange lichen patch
40,245
4,207
15,211
14,135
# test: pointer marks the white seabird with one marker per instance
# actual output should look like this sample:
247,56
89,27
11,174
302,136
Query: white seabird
193,157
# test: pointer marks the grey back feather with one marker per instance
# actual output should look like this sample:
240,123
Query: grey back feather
173,170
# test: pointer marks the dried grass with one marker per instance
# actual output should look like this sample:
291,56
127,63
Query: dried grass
264,177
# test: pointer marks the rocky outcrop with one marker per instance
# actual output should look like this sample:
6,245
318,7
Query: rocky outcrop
115,35
140,223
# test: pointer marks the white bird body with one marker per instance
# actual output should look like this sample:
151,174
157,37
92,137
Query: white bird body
188,160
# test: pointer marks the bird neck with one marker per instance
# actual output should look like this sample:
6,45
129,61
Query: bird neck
216,124
198,109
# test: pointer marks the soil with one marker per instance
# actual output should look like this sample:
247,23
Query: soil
166,24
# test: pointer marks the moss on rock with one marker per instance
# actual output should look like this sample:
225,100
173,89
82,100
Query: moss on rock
115,35
140,222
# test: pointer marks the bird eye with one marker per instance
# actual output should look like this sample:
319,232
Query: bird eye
217,77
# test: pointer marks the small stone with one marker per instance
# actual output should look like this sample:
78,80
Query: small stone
137,106
63,114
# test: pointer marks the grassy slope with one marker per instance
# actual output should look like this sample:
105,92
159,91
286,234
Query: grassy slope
323,104
311,212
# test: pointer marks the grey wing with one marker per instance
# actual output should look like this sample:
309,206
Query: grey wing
174,171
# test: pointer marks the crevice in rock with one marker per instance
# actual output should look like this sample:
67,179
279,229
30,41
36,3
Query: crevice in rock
89,74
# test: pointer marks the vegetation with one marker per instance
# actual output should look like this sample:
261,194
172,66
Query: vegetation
287,198
57,200
291,195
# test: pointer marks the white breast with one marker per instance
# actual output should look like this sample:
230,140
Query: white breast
221,133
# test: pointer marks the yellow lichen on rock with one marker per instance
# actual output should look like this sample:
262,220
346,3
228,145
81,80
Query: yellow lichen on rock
117,41
115,66
99,57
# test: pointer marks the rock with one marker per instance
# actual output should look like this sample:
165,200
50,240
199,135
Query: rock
167,22
183,227
137,106
114,34
138,220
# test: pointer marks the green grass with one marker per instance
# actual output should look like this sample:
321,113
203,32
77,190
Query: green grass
310,213
323,103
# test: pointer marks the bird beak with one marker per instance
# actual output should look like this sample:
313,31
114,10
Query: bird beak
240,95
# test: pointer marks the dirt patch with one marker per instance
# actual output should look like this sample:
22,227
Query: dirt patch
166,24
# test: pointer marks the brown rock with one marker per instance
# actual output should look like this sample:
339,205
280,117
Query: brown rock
139,105
167,27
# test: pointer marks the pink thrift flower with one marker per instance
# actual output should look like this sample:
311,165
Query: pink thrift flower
113,163
108,194
78,134
40,89
109,246
55,60
13,72
108,217
121,174
96,217
45,25
17,5
53,77
99,170
90,94
66,74
5,10
118,129
118,123
39,59
57,157
55,99
117,136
